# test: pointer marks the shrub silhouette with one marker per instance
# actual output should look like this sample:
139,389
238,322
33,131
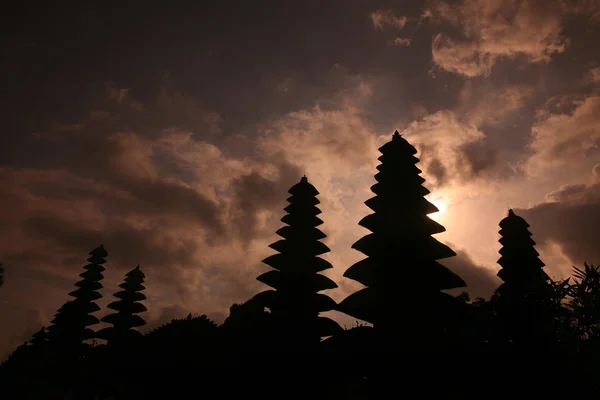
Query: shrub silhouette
585,301
182,339
403,295
295,304
245,315
248,328
584,304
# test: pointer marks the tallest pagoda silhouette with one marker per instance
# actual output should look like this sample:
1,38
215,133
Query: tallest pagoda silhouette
404,281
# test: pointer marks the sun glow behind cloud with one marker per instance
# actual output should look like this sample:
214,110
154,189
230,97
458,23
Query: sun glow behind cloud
442,205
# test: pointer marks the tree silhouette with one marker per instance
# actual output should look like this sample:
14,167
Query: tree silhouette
585,312
404,281
183,340
70,324
245,315
295,304
190,326
126,318
247,328
521,295
585,301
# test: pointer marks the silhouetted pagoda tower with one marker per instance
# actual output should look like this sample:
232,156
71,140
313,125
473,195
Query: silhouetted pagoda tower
39,338
38,346
521,266
70,324
295,304
522,274
404,281
126,318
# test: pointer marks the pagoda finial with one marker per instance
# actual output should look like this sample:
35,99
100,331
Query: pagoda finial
304,179
396,135
511,213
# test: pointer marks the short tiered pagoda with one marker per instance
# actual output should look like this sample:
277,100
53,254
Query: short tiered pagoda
39,338
521,266
295,303
128,307
520,300
70,324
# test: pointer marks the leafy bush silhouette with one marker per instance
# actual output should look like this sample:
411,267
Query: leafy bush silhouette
247,329
182,339
584,307
585,301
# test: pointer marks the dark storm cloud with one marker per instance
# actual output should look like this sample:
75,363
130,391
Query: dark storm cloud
129,245
568,193
481,281
221,67
254,193
435,167
157,198
125,181
454,152
471,162
570,220
476,160
566,129
488,32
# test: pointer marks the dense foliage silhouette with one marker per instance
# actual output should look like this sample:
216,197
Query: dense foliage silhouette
422,342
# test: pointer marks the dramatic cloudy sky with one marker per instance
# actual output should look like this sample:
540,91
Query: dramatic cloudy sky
171,135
